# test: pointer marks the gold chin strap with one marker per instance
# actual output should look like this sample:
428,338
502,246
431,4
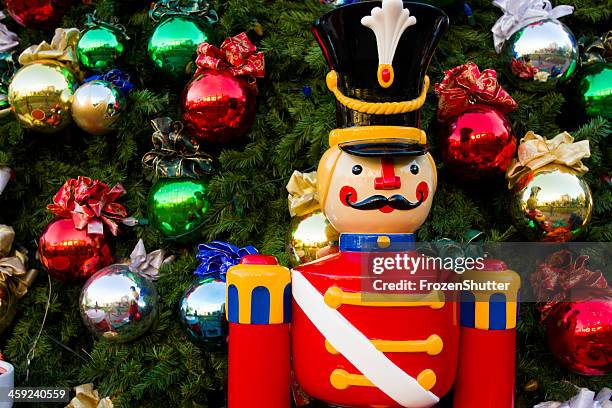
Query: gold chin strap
376,108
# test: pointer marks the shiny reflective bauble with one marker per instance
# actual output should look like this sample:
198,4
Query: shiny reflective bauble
69,254
540,56
174,42
7,307
308,235
202,314
38,13
99,48
218,107
595,90
580,335
177,206
97,107
40,95
551,204
119,305
478,143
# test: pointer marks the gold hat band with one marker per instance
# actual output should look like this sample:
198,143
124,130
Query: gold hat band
376,108
366,133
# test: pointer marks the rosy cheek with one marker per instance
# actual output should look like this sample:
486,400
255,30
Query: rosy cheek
350,192
422,190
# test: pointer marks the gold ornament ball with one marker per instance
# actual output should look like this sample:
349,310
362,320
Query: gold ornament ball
308,235
551,204
97,107
40,95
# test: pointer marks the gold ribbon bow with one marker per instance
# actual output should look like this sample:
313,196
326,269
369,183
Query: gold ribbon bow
62,48
303,194
88,397
535,152
13,273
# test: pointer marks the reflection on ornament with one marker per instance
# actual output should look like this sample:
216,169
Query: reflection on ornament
540,56
37,14
69,254
309,236
118,305
100,46
477,143
218,107
177,206
595,90
551,203
174,42
97,106
41,93
579,335
202,314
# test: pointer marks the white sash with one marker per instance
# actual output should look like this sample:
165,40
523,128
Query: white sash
358,349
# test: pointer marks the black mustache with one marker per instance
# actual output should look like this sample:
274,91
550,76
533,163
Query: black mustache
375,202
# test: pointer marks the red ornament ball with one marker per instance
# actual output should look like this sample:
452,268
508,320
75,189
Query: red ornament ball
218,107
579,335
37,13
69,254
479,143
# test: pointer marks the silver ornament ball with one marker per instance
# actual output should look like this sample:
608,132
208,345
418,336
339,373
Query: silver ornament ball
119,305
202,314
97,107
540,56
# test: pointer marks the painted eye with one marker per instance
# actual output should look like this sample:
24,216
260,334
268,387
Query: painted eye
357,169
414,169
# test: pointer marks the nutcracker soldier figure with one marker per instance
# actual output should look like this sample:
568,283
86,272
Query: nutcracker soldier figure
376,183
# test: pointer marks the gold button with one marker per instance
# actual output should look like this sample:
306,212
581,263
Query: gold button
383,241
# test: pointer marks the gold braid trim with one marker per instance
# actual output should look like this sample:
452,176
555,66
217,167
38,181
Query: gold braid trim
376,108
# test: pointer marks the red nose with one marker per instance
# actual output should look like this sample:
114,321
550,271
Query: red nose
388,180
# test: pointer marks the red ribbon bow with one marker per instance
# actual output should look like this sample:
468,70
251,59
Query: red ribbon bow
236,56
465,85
559,275
89,203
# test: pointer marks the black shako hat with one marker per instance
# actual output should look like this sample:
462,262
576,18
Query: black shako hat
378,53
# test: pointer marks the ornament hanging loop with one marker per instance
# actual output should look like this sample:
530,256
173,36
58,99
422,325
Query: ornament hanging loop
195,8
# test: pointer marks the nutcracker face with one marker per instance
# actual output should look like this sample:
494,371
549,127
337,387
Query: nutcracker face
376,194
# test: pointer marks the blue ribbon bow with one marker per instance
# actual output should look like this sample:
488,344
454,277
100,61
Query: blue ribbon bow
118,78
217,257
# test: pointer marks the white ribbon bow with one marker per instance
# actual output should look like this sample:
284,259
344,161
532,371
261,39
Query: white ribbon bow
8,39
584,399
520,13
147,264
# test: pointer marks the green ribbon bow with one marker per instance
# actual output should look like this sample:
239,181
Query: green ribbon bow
93,22
196,8
599,50
175,154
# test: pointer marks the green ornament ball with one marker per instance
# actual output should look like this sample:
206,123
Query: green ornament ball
177,206
174,43
595,90
100,48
